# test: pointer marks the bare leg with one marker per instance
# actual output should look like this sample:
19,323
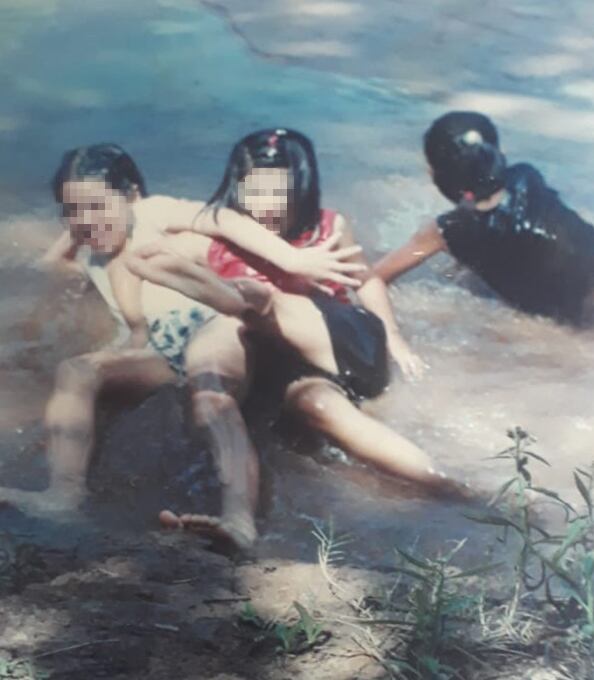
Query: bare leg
70,420
293,318
217,366
326,409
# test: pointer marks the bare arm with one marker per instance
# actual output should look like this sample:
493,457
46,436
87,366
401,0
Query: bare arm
316,263
193,280
424,244
178,261
373,295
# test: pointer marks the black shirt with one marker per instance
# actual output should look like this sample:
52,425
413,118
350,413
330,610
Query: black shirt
531,249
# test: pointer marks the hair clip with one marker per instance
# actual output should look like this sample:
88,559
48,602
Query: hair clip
272,142
472,137
468,196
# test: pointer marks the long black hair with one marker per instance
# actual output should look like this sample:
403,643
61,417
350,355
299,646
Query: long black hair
108,162
274,148
462,148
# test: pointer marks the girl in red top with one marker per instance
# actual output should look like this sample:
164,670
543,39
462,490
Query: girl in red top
341,341
272,177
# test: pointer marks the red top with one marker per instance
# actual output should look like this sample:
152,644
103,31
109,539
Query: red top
230,261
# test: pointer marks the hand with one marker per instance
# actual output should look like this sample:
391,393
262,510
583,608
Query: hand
135,340
411,365
326,262
138,338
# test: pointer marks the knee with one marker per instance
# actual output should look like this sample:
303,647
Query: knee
76,379
311,404
209,405
79,374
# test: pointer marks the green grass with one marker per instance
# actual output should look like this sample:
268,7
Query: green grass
296,636
440,622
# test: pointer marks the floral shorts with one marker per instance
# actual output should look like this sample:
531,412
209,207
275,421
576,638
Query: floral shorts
171,334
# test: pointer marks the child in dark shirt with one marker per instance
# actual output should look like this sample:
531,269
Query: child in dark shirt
508,225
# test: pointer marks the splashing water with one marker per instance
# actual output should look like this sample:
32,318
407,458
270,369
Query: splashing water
174,86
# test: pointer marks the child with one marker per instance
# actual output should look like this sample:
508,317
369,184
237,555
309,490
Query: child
272,176
103,200
508,225
112,221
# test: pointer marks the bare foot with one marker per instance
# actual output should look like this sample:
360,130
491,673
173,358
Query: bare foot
238,530
42,503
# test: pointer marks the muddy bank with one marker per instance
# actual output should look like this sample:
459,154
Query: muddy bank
159,607
152,606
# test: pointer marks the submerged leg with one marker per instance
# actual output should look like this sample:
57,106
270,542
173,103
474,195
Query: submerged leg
323,407
70,421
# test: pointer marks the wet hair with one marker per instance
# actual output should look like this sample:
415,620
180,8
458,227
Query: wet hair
274,148
107,162
462,148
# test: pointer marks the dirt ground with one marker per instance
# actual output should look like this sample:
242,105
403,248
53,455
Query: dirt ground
154,606
157,606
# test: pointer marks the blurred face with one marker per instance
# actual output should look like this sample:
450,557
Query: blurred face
267,193
96,214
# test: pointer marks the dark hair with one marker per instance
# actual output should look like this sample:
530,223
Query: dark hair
462,148
108,162
274,148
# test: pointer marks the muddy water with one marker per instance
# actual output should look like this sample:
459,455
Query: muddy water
170,82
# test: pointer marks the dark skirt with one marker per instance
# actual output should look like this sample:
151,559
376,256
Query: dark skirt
360,350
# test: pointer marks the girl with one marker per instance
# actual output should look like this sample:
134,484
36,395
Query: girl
508,225
104,203
272,176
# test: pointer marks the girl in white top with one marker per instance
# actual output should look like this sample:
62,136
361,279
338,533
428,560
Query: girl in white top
104,204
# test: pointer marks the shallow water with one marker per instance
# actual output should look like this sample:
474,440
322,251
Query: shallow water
169,81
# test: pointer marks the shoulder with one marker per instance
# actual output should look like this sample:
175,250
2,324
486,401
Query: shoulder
524,173
167,207
332,222
334,219
459,227
453,219
529,190
154,214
